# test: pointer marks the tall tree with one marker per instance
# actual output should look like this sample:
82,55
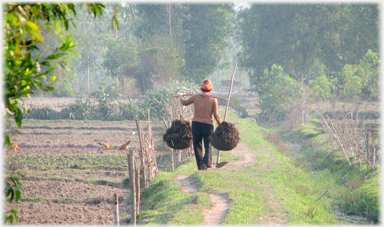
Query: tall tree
89,32
296,35
121,59
159,33
208,26
197,36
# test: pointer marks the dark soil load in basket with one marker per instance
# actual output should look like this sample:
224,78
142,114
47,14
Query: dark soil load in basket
179,135
226,137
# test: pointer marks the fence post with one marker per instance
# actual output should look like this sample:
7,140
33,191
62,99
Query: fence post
132,186
172,160
138,190
149,123
367,141
373,146
140,134
179,156
116,211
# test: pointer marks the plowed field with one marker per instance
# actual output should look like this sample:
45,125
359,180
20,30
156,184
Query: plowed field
69,178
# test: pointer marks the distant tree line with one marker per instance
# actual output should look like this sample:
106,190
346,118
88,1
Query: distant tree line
300,53
154,45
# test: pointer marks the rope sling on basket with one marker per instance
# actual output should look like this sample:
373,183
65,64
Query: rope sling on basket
179,135
226,137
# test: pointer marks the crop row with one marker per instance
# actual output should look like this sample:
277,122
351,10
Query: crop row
62,161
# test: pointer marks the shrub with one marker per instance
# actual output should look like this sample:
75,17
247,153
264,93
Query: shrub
234,103
44,113
79,110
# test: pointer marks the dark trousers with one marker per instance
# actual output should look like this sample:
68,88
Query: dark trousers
201,131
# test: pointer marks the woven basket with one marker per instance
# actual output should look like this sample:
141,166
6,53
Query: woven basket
222,145
226,137
179,135
180,145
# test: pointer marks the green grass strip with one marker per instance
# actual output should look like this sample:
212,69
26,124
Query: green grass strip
163,202
273,179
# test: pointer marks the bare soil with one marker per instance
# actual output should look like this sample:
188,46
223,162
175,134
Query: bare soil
68,195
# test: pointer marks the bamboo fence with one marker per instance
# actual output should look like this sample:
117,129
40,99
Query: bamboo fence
144,163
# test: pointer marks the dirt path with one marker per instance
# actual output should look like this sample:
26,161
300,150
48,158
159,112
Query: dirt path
220,202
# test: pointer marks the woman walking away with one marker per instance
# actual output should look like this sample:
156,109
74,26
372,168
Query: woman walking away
202,123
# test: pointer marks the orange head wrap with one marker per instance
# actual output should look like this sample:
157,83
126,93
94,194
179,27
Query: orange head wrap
206,86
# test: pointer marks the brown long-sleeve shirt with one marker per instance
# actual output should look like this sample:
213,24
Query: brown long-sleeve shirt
205,107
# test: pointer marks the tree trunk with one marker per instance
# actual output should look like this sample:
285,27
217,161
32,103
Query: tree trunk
122,86
88,76
169,13
373,146
139,47
116,210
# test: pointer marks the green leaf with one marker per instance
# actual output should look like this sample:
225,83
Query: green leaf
15,214
19,118
66,24
11,194
33,29
63,66
75,52
7,140
18,195
46,63
5,218
10,218
54,56
50,88
49,70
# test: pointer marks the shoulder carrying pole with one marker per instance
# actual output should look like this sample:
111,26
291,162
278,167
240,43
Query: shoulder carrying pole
204,95
226,110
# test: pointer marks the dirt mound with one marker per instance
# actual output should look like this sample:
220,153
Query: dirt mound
179,135
226,137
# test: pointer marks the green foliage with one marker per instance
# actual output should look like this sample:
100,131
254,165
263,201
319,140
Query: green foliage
370,70
296,35
235,103
45,113
278,93
63,83
156,99
78,110
208,26
309,130
321,87
121,58
25,69
25,72
364,200
12,190
352,83
197,36
353,189
65,161
107,107
161,59
361,80
320,84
